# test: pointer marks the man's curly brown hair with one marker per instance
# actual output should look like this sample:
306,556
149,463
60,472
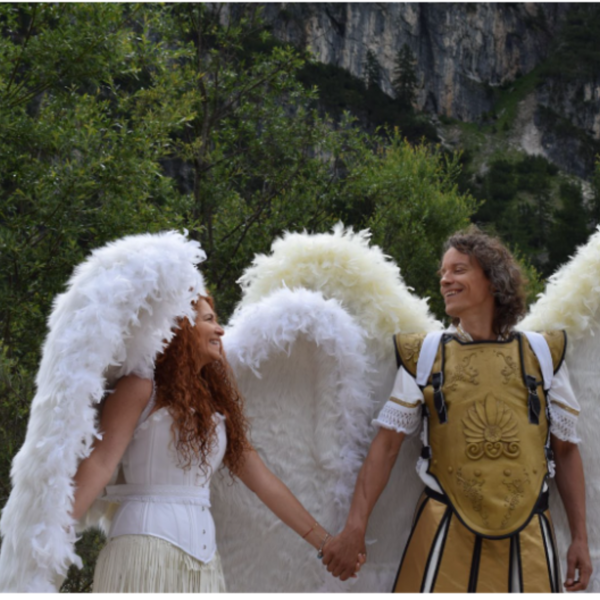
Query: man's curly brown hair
503,272
193,393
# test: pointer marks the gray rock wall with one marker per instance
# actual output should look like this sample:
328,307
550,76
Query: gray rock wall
461,49
568,118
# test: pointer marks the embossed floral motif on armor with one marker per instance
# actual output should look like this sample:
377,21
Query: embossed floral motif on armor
490,429
411,347
510,369
464,372
473,490
515,494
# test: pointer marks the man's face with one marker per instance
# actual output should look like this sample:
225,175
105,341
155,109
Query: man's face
464,286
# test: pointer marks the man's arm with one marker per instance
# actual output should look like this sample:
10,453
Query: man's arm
340,553
571,486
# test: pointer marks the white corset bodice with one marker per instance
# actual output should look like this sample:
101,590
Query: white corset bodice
160,498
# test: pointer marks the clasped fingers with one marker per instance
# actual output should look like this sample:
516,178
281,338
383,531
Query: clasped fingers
341,561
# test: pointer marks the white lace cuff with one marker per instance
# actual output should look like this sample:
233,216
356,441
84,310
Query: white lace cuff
563,424
399,418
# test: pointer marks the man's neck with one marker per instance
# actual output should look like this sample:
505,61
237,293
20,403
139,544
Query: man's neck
478,330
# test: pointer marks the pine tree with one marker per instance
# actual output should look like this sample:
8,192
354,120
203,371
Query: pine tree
372,70
405,81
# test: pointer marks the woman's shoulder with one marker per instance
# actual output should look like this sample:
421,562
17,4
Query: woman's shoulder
133,383
136,390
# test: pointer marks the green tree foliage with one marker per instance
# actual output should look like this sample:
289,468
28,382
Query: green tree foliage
254,145
78,168
518,200
536,210
117,119
570,225
577,53
372,71
340,92
407,195
405,77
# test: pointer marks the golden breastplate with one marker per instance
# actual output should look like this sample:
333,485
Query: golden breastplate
487,429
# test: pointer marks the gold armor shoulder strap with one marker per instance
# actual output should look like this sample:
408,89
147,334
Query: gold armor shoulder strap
408,347
557,342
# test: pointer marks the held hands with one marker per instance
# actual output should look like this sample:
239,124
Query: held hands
344,554
578,558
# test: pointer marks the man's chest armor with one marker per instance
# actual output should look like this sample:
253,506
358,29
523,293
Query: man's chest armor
486,453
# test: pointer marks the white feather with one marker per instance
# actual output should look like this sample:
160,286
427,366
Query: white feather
571,301
306,395
342,265
572,296
302,365
115,317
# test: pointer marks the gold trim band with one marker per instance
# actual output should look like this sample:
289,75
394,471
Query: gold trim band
405,404
565,407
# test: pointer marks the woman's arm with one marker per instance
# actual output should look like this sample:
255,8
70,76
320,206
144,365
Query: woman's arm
340,553
279,499
120,413
571,487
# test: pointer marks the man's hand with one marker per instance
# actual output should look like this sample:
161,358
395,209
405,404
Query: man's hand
571,486
344,554
578,558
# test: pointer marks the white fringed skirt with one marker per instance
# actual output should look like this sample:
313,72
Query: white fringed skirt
147,564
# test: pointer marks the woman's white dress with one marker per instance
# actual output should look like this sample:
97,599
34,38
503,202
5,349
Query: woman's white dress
162,537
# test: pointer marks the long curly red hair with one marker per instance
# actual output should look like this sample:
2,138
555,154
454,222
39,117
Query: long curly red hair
193,392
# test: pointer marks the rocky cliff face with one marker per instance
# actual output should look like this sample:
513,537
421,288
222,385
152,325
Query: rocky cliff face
562,123
462,50
567,120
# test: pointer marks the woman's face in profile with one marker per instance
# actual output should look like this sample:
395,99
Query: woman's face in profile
209,333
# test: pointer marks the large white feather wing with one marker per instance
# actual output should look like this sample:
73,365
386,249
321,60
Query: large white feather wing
342,265
302,365
115,317
301,418
572,302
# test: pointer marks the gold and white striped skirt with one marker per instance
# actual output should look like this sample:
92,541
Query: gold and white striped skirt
147,564
442,555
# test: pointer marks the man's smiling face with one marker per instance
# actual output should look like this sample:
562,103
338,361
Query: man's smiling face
463,284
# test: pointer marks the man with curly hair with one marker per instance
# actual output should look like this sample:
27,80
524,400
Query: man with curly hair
498,418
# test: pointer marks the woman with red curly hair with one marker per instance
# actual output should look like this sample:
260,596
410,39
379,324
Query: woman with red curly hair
170,435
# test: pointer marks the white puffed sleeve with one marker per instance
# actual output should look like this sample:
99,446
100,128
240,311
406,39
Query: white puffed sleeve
402,412
564,408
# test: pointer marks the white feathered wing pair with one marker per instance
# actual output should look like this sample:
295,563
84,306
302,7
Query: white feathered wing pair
311,346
